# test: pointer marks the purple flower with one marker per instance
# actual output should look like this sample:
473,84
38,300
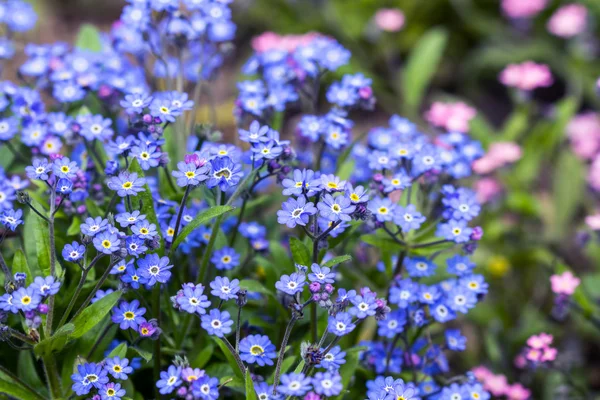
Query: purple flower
291,284
295,212
336,209
217,323
129,315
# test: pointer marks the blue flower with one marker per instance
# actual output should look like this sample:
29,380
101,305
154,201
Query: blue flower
320,274
336,209
189,174
11,219
257,349
111,391
88,376
441,312
217,323
331,183
403,294
456,231
126,219
382,208
129,315
192,299
327,383
225,258
39,169
107,243
118,367
65,168
136,102
429,294
224,289
252,230
357,194
132,277
419,267
225,173
148,155
294,384
393,324
26,299
255,133
155,269
341,324
400,181
475,283
461,299
364,305
45,286
127,184
333,360
206,388
454,340
465,206
169,379
295,212
408,218
97,127
93,226
144,229
460,265
291,284
64,186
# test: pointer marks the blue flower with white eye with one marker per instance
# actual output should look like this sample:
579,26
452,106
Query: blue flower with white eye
393,324
169,380
126,219
475,283
429,294
295,212
225,173
333,360
11,219
225,289
441,312
118,367
461,299
291,284
408,218
419,267
47,286
364,305
65,168
217,323
107,243
454,340
404,293
225,258
88,376
255,133
320,274
136,102
460,265
341,324
294,384
302,181
192,299
312,127
327,383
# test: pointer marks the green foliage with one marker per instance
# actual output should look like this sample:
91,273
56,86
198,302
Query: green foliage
88,38
201,219
94,313
300,252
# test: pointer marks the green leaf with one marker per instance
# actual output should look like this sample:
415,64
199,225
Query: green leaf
88,38
382,243
119,351
568,191
74,227
300,252
26,369
348,370
15,389
346,169
228,356
20,265
147,201
203,356
421,67
94,313
250,391
39,241
337,260
146,355
56,342
200,219
299,367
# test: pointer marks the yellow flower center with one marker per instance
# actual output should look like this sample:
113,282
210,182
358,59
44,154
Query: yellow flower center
190,174
26,300
117,368
354,197
110,392
143,231
226,259
127,185
64,169
336,208
106,244
129,315
256,350
383,210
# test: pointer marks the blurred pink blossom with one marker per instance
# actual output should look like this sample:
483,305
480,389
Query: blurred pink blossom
523,8
487,189
526,76
481,373
568,21
549,354
538,349
540,341
272,41
451,116
593,221
594,174
496,384
584,133
516,391
566,283
389,19
498,155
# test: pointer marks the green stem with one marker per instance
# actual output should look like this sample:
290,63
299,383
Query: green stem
179,215
51,370
50,316
156,356
95,289
284,343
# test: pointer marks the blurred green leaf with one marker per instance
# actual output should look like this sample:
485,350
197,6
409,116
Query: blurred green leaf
74,227
300,252
119,351
88,38
230,359
420,68
15,389
568,190
145,354
348,370
26,370
56,342
337,260
382,243
94,313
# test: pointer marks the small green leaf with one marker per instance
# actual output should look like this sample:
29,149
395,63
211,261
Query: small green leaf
146,355
300,252
346,169
56,342
228,356
94,313
568,191
299,367
88,38
39,241
421,67
203,356
383,243
26,369
74,227
250,391
200,219
337,260
20,265
119,351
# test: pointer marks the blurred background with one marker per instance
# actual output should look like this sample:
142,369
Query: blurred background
535,221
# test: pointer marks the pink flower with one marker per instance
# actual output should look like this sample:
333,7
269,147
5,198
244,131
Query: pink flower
520,361
389,19
533,355
584,133
568,21
272,41
499,154
593,221
487,189
496,384
593,177
566,283
516,391
522,8
549,354
481,373
526,76
540,341
451,116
